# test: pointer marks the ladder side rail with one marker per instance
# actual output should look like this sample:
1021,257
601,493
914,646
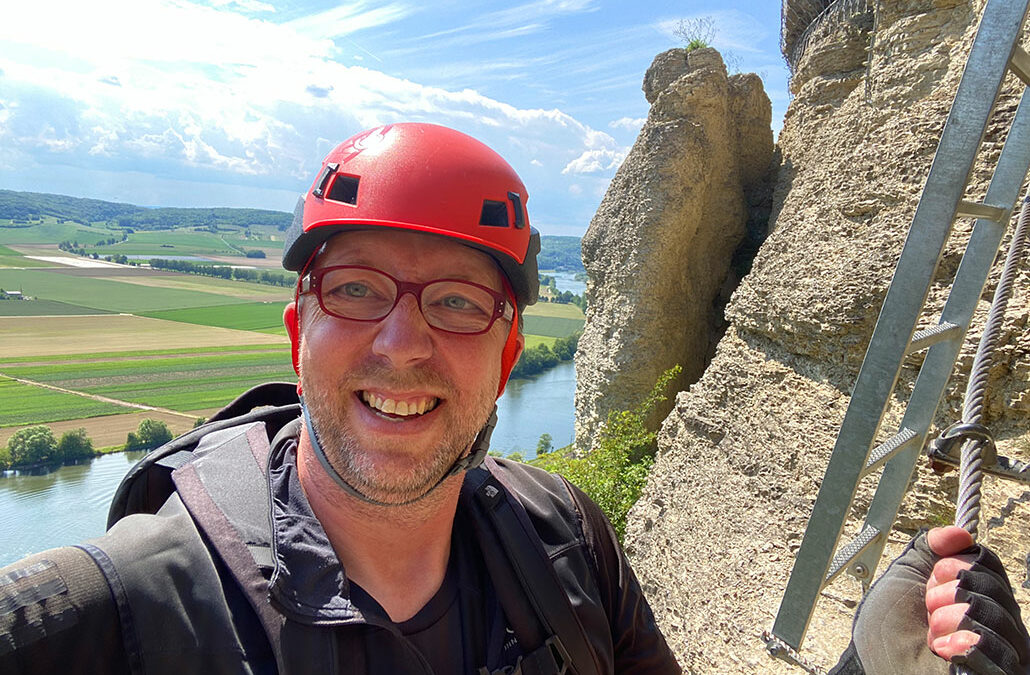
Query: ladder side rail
966,292
931,225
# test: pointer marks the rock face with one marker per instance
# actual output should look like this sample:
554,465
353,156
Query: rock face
741,455
659,250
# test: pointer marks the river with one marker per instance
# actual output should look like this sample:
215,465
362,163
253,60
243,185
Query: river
43,509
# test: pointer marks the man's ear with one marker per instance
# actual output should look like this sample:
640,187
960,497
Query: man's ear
291,319
509,357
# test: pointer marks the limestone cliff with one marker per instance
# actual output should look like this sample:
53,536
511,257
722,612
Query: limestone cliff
743,451
659,250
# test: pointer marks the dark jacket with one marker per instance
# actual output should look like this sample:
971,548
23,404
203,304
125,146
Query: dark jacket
207,586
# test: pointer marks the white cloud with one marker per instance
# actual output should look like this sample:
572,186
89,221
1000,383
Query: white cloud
245,5
628,123
596,161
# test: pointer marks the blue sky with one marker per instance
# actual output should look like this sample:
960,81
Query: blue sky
235,102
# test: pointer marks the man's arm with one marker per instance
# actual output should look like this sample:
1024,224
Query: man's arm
640,647
57,616
943,598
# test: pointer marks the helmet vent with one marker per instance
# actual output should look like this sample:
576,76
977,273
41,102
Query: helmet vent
494,214
344,189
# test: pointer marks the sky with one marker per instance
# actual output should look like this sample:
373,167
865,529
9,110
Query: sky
236,102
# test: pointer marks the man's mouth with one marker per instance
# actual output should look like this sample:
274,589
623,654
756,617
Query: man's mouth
407,408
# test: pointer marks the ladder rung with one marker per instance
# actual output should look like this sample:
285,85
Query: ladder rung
930,336
892,446
978,210
1020,64
850,551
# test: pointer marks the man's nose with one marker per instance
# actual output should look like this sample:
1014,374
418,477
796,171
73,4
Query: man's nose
403,335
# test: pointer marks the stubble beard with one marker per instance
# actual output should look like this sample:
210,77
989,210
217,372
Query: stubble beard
354,456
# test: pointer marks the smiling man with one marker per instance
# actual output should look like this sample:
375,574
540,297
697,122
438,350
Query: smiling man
360,528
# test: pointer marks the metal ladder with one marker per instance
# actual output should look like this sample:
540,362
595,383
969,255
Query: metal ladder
995,51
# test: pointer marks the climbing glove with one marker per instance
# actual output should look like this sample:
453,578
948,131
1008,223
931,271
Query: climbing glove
890,628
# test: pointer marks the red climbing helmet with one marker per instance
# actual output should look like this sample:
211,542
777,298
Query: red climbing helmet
427,178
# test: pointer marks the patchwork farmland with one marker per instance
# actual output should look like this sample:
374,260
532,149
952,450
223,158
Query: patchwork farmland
99,345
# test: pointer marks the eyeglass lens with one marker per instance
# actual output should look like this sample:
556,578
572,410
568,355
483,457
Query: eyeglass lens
365,294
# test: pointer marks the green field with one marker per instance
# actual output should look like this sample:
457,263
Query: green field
552,326
181,382
44,308
139,354
105,294
265,317
25,404
555,309
165,242
52,232
10,258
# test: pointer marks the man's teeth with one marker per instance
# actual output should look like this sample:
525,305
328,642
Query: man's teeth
401,408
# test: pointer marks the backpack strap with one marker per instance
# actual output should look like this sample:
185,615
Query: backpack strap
148,483
538,607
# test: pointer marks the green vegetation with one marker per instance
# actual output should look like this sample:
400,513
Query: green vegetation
542,357
696,33
52,231
28,206
74,445
266,317
11,258
150,434
615,472
561,254
25,404
184,383
32,445
105,294
45,308
552,326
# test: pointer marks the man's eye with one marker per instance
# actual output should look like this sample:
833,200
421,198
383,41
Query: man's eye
353,289
457,302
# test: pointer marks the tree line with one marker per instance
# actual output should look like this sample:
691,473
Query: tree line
541,357
37,445
270,277
26,206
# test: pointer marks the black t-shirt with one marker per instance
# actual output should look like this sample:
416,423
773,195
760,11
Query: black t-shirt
462,628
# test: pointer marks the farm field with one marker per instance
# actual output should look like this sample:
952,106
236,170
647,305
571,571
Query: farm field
243,290
106,294
50,231
25,404
110,431
183,343
48,336
264,317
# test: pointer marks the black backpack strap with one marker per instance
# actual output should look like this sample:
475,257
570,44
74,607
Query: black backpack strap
148,483
538,607
226,494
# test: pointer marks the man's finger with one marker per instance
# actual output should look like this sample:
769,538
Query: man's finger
954,644
945,541
939,596
947,619
946,570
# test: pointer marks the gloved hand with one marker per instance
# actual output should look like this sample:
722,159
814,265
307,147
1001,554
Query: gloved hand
960,606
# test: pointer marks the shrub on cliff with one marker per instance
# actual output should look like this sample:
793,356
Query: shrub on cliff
614,473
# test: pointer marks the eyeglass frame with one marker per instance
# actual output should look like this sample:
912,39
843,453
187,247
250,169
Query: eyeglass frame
311,282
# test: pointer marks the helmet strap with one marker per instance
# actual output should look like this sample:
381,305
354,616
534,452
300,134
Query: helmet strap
477,452
510,354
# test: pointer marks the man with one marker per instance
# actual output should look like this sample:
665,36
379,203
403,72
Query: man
368,534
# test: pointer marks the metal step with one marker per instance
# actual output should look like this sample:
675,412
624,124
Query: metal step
902,440
928,337
851,551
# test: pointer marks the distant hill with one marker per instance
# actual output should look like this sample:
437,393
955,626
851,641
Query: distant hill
29,205
561,254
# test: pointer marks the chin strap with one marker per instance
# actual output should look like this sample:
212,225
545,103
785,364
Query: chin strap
475,456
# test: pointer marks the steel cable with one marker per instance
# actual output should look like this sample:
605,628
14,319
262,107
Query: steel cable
967,510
